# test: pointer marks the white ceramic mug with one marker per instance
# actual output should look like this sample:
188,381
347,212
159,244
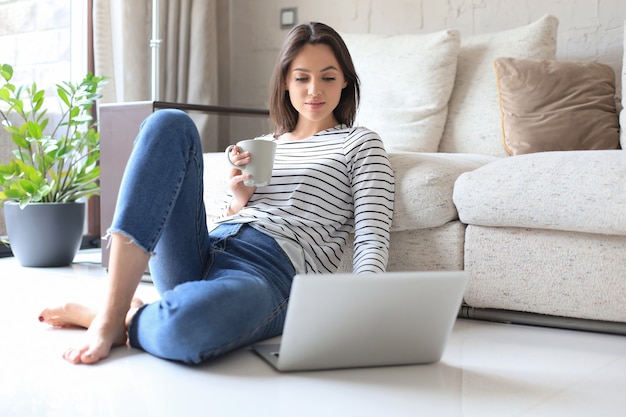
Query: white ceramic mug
261,160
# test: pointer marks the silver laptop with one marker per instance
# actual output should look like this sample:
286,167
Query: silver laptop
348,320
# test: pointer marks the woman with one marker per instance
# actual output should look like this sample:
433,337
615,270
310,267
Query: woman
229,287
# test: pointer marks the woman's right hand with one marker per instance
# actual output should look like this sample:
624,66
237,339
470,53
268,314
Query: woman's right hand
240,192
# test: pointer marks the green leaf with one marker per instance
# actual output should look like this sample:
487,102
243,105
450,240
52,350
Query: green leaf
63,95
13,194
39,96
10,128
17,105
37,106
5,169
6,71
20,141
43,123
34,130
5,94
28,187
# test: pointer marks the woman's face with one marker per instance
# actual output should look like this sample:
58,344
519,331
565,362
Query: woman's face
314,81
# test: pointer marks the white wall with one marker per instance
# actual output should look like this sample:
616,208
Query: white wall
588,30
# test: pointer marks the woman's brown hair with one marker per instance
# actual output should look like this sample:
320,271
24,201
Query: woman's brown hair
282,112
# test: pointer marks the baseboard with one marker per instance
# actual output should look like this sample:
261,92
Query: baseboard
533,319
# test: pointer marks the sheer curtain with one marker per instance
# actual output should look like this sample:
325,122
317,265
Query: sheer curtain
188,53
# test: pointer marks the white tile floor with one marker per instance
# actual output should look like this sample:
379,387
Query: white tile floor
487,370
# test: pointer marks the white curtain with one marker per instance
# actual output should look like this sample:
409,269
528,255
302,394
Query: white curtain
188,53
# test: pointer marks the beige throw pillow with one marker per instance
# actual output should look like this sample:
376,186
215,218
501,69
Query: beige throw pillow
473,119
556,106
406,82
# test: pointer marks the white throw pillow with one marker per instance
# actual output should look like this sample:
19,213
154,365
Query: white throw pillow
406,82
473,124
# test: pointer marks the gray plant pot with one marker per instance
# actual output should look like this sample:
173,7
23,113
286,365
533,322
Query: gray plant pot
45,234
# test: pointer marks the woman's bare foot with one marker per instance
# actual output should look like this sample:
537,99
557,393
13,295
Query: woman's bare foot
103,332
102,335
68,315
79,315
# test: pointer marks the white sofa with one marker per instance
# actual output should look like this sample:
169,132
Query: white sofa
543,235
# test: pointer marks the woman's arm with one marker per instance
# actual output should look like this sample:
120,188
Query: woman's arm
372,182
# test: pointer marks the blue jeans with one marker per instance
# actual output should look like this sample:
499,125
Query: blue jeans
220,290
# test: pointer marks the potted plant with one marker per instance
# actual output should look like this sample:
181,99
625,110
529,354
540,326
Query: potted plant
53,169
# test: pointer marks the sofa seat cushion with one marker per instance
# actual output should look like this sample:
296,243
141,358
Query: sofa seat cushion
580,191
424,184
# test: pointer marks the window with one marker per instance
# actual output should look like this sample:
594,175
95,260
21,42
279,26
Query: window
47,42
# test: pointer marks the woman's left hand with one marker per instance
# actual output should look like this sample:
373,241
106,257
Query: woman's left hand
241,193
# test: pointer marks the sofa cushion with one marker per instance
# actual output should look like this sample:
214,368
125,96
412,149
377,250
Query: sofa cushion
406,81
423,192
579,191
424,183
473,123
556,105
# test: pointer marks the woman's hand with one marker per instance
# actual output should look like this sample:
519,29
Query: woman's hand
241,193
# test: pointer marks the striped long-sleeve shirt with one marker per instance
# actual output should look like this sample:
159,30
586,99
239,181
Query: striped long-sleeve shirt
323,188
